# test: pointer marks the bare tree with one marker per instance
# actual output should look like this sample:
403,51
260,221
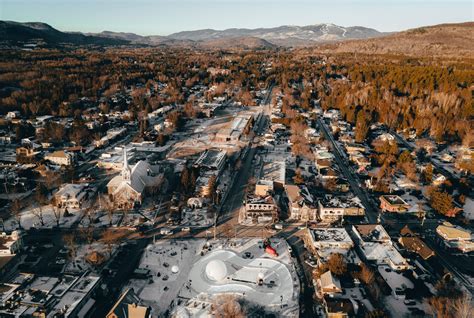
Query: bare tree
337,264
463,307
87,234
89,212
38,212
367,275
109,208
56,211
15,211
41,199
226,306
109,238
69,240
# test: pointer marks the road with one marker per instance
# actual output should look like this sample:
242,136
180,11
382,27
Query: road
233,202
371,211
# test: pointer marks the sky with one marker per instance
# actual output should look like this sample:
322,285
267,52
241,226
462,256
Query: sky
163,17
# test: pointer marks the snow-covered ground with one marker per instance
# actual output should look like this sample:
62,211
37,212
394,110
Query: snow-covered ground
102,219
29,218
159,258
394,304
79,264
196,217
179,271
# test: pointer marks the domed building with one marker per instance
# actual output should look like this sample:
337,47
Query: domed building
216,270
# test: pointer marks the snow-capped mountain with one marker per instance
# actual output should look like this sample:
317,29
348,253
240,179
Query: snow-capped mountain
286,34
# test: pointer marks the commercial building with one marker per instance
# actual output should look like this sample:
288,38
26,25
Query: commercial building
327,241
274,171
455,237
261,209
43,296
61,157
332,208
376,246
393,203
239,126
301,205
211,160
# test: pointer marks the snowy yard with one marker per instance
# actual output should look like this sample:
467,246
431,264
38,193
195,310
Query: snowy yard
31,218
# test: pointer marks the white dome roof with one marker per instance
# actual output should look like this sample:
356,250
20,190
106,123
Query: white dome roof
216,270
174,269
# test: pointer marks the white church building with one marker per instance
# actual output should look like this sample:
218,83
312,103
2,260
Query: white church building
129,187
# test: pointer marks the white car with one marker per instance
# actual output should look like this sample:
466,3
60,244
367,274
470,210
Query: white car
186,229
165,231
279,226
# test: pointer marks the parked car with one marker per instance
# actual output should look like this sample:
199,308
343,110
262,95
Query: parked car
166,231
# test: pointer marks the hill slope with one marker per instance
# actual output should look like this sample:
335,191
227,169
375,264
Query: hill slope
16,32
438,40
236,43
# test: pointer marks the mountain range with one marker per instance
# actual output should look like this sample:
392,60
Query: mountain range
16,32
444,39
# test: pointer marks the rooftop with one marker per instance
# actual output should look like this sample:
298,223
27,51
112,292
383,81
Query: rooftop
371,232
393,199
330,235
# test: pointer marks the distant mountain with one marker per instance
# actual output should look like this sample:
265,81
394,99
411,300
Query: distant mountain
17,33
132,37
445,39
285,35
454,39
236,43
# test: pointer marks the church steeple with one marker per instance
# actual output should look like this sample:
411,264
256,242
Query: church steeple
126,173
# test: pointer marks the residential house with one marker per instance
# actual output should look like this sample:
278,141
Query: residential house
414,244
10,244
71,196
338,307
61,157
129,305
328,284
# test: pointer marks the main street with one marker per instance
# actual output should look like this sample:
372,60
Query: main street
232,204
